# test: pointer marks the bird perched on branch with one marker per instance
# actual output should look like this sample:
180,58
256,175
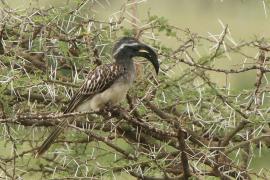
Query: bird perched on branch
107,84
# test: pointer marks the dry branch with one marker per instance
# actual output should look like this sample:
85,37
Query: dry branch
176,125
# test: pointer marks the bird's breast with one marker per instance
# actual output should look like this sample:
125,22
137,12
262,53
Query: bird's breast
113,95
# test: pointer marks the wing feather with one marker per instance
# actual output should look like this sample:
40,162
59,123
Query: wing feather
96,81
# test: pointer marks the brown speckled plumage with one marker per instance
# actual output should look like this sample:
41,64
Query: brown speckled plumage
107,84
96,81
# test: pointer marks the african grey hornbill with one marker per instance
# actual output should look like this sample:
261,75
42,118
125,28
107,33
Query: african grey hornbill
107,84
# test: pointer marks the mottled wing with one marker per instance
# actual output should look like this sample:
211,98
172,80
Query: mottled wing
97,81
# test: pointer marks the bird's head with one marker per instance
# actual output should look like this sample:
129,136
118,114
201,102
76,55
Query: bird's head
127,48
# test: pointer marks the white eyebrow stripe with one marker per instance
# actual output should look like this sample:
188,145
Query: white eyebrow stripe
123,46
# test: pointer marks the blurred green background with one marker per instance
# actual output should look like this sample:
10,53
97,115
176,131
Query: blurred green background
247,20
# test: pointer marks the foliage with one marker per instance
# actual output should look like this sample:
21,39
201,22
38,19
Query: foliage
176,125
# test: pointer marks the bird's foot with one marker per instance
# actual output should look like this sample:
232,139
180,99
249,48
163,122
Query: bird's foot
107,110
110,110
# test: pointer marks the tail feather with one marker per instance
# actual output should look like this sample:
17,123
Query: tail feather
51,138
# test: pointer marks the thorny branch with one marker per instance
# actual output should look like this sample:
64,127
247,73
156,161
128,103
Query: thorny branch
176,125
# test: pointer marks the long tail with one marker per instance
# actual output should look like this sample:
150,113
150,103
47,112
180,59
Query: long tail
54,134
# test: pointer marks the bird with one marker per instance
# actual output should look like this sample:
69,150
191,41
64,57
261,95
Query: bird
106,84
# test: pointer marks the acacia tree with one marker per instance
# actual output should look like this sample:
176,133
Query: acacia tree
176,125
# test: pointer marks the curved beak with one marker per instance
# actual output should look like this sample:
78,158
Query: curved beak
148,53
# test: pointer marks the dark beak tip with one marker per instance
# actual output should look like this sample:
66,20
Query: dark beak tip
157,71
151,55
157,68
